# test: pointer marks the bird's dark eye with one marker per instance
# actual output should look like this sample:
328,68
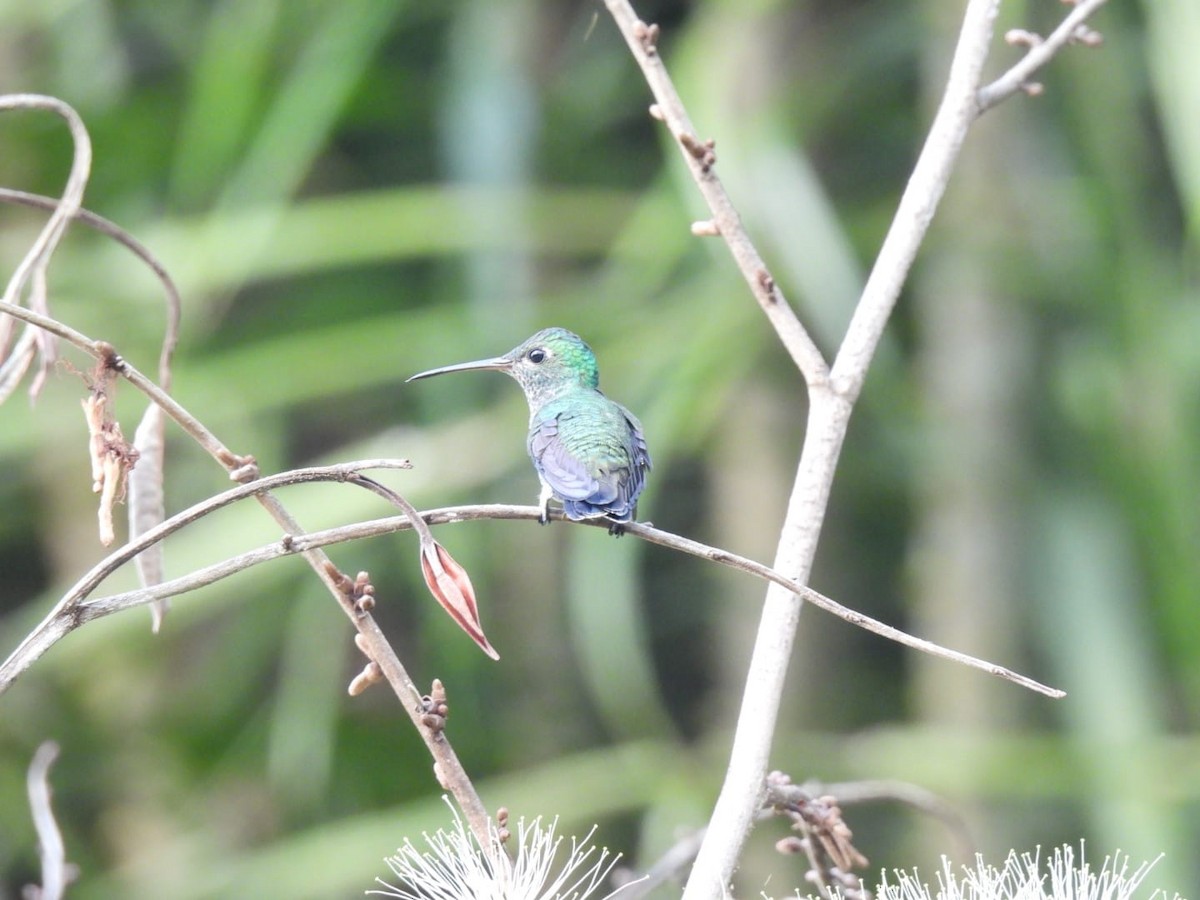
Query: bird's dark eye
536,355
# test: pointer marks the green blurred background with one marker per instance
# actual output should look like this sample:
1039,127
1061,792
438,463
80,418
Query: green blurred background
351,192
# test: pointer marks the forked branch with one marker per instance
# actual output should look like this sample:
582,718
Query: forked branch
832,391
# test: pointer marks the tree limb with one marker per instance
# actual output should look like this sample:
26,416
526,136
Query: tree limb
831,398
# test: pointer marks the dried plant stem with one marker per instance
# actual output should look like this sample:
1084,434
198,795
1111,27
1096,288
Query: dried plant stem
72,199
29,278
137,248
145,482
892,790
449,770
56,873
101,350
832,390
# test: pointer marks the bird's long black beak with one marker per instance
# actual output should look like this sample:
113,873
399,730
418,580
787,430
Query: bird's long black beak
499,363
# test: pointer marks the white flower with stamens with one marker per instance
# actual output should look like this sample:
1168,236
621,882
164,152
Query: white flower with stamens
1022,878
455,867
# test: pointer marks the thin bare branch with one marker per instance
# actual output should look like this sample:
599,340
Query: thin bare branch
700,157
146,497
34,644
134,246
879,790
79,609
1040,53
103,351
732,560
71,612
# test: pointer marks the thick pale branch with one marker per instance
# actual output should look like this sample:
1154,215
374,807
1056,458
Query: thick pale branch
832,400
961,104
930,176
829,417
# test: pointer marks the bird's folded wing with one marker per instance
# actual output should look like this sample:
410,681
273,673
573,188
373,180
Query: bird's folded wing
569,478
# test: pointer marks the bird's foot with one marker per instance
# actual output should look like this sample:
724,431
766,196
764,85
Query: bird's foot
616,529
544,504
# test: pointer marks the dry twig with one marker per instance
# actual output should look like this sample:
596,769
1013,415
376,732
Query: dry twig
31,271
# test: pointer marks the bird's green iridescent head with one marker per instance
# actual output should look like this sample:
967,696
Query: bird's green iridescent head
551,363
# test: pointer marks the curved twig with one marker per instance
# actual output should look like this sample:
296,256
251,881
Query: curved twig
32,268
877,790
20,660
111,229
103,351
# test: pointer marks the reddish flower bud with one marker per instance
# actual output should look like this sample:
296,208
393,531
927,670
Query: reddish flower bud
450,584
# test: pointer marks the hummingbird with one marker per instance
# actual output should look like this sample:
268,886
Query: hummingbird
589,452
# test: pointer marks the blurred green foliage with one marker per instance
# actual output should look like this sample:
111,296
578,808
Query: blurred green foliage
351,192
